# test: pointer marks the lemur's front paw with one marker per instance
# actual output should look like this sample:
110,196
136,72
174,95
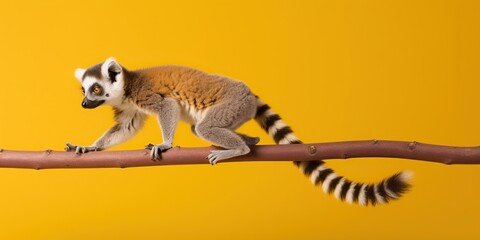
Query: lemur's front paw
156,150
79,150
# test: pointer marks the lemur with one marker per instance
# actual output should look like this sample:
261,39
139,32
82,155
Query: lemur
215,106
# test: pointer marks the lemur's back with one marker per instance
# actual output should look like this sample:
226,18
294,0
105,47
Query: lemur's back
197,88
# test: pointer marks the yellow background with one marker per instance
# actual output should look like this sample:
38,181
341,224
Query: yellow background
335,71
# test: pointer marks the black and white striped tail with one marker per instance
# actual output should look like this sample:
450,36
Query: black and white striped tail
321,175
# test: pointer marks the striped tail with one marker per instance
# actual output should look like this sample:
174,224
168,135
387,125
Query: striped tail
352,192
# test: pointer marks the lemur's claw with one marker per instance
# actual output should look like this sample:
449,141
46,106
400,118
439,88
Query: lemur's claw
69,147
79,150
214,157
156,150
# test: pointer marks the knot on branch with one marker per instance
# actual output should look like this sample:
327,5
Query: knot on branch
312,150
412,145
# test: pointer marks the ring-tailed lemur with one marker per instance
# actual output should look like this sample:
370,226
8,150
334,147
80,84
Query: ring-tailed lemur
215,106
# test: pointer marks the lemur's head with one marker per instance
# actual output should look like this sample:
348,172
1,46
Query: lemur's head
101,84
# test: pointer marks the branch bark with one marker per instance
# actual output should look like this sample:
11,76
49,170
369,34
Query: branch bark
298,152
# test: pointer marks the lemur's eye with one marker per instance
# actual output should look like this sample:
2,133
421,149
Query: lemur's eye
97,90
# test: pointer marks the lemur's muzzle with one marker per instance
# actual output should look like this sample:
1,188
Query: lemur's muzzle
86,103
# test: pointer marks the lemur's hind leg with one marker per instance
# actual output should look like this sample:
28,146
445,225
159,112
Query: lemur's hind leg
250,141
219,123
226,138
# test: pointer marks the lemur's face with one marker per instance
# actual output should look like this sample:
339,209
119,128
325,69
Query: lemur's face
102,84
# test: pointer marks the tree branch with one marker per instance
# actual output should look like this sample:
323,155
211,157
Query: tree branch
298,152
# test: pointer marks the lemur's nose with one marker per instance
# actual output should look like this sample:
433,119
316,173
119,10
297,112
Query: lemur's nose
91,104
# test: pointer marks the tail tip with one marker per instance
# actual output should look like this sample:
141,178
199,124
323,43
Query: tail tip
391,188
406,175
398,184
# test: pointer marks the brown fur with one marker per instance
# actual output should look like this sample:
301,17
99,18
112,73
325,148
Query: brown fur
192,86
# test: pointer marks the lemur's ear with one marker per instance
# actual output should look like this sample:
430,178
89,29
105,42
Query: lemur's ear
79,72
111,69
